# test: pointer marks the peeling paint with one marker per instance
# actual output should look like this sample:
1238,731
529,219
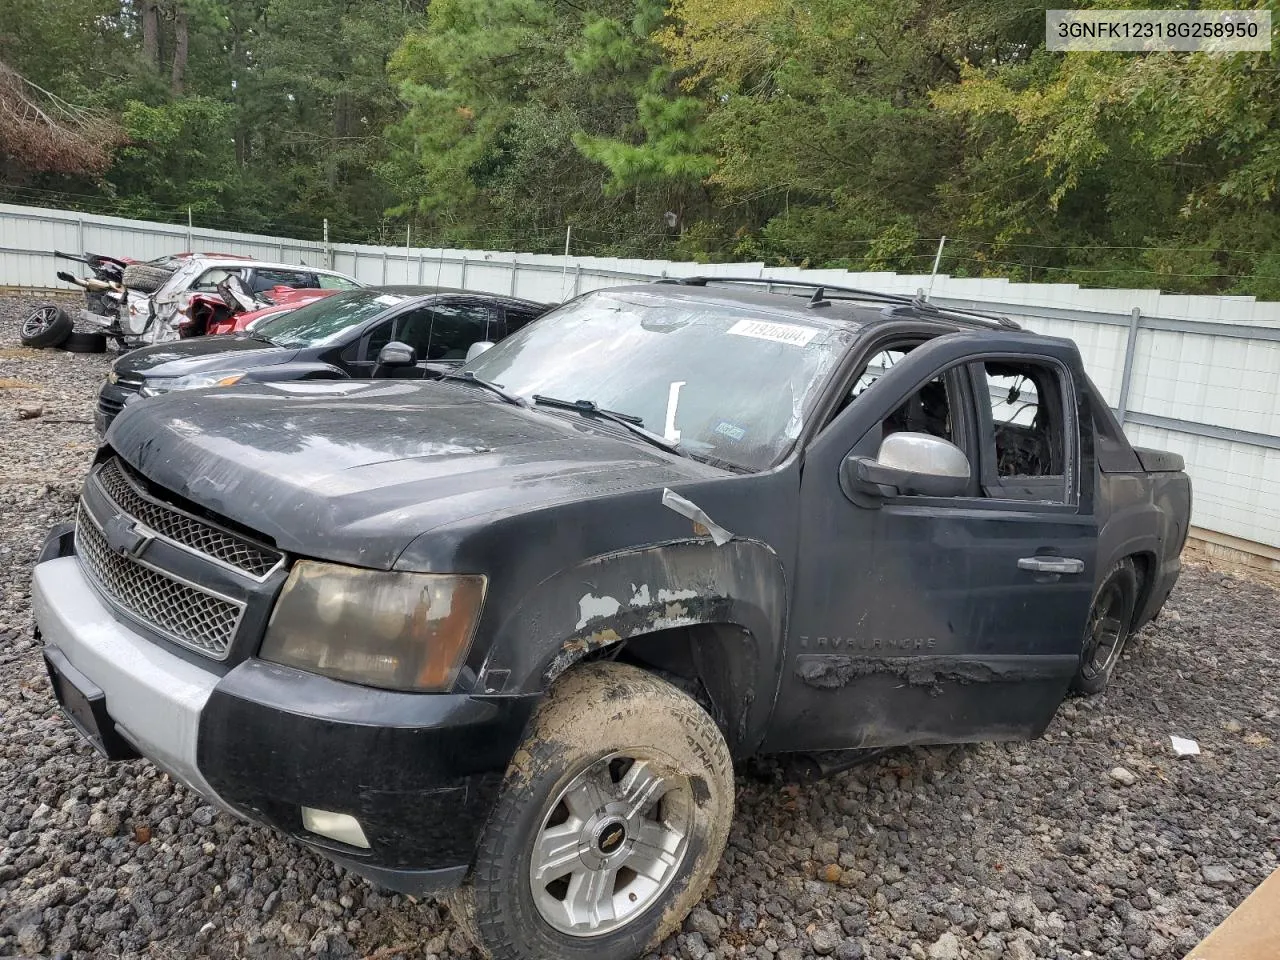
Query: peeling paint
640,598
835,672
591,607
666,596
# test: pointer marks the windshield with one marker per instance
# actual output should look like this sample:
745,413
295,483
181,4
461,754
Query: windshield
729,383
325,321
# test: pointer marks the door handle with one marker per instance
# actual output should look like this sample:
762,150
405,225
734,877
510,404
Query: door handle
1051,564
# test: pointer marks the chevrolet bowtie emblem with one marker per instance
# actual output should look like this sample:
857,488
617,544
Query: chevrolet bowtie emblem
123,536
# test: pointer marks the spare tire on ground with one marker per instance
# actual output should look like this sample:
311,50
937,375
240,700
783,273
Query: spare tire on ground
45,326
85,342
146,277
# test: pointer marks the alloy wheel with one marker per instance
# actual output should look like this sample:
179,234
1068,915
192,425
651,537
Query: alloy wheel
1105,636
40,320
611,843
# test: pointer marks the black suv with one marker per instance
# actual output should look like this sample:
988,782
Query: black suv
505,633
340,337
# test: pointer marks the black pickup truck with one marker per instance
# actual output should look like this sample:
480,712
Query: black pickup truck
506,634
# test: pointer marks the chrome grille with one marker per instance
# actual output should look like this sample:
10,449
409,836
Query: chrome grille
185,614
182,528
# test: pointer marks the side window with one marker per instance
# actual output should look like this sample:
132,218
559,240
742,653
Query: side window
1025,453
939,408
928,410
414,328
376,339
877,367
517,318
328,281
457,327
209,280
264,280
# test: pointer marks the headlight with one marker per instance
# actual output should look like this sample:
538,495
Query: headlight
401,631
219,378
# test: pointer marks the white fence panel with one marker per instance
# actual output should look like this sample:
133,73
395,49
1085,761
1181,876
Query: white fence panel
1198,375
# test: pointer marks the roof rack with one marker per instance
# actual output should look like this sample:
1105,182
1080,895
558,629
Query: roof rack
820,297
804,284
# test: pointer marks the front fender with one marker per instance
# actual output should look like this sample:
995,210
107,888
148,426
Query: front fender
624,595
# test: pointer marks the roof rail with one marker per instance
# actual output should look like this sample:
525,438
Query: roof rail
816,285
916,303
955,314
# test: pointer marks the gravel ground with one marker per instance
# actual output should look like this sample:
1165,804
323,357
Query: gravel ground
1094,841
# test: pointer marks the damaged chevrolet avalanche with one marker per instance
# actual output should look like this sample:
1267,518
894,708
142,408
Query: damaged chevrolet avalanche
505,634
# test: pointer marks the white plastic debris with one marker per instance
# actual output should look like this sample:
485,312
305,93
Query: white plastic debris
1184,747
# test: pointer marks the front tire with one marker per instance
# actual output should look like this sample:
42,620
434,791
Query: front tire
1107,630
612,818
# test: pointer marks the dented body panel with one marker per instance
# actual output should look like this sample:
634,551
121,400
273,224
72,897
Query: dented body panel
803,611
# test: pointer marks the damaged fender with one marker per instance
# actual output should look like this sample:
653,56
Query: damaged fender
738,587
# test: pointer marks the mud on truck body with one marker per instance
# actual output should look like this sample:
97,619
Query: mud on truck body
504,635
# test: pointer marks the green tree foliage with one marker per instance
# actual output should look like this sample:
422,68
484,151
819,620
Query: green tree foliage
255,114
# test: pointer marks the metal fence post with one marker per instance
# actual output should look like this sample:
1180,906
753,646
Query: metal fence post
577,279
80,234
462,281
515,267
384,266
1126,378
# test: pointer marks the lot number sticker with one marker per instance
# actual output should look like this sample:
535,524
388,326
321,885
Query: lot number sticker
777,332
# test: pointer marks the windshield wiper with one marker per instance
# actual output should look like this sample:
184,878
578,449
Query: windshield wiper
255,335
466,376
632,423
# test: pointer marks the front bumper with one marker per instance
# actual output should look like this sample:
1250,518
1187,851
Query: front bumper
419,772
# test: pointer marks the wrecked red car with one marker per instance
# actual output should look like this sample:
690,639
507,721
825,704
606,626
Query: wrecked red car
279,301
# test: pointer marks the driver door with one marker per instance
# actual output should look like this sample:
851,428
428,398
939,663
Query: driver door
915,618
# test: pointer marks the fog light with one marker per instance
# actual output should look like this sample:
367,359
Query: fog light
336,826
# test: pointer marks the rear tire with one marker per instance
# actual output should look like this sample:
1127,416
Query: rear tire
1107,630
46,326
85,343
612,818
145,277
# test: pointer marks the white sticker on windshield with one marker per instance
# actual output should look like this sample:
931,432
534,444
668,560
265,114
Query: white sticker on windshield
387,300
777,332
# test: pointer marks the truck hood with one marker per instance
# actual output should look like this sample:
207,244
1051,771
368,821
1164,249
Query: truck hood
180,358
354,471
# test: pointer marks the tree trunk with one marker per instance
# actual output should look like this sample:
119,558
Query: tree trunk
179,73
151,32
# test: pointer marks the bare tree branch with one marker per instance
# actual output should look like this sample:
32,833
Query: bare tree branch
46,133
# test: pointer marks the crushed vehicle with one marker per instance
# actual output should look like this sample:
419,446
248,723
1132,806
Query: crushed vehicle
49,325
183,303
274,303
174,297
395,332
503,634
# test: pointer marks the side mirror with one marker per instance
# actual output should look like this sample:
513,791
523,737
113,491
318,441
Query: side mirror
477,348
908,464
396,354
